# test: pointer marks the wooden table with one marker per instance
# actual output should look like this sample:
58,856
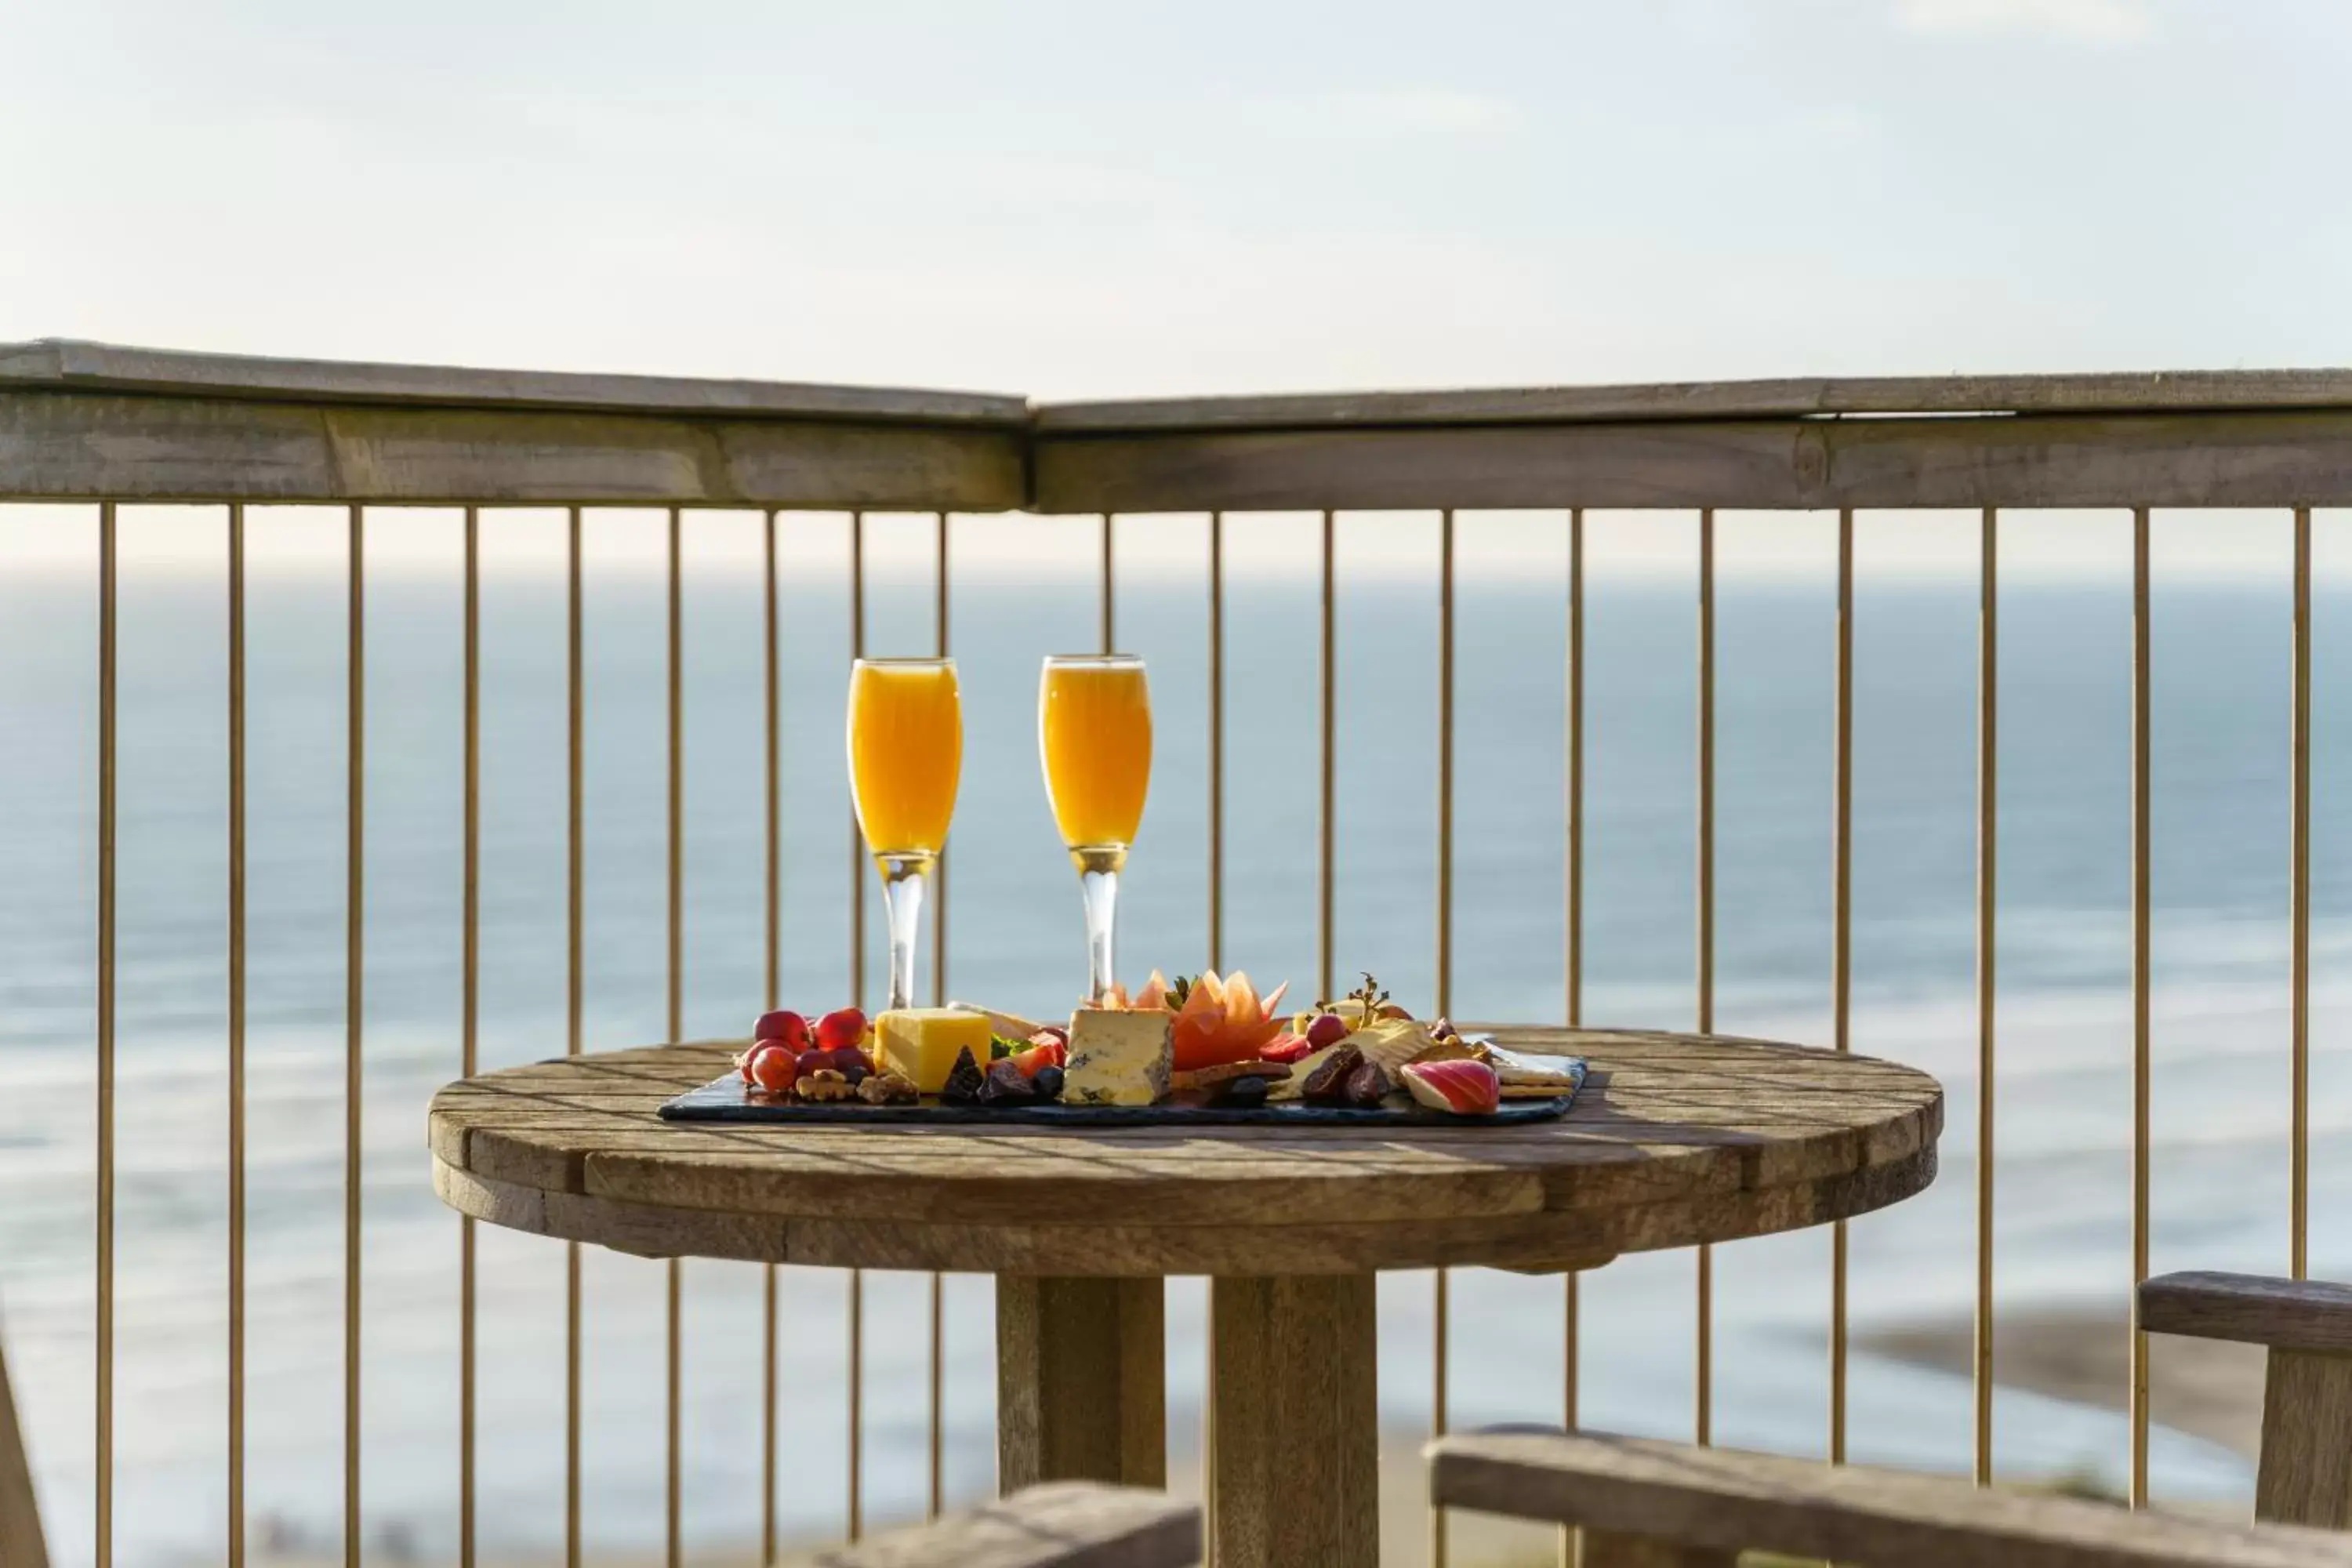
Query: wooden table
1675,1140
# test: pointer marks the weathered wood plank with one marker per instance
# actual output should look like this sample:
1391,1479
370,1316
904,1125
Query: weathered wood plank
2109,393
21,1544
1726,1500
2253,1309
1297,1428
2304,1475
67,365
70,445
1535,1245
2060,461
1068,1524
1081,1380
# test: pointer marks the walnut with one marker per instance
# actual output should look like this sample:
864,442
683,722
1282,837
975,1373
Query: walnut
888,1089
824,1084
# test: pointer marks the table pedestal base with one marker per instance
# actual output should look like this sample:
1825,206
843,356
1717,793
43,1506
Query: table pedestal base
1081,1386
1297,1448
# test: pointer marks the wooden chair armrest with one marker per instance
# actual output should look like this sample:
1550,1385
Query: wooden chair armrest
1062,1524
1722,1500
2254,1309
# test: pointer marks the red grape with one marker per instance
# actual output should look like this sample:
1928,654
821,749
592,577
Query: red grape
785,1027
1328,1029
774,1068
844,1026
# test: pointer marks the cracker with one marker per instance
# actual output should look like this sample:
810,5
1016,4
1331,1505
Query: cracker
1226,1072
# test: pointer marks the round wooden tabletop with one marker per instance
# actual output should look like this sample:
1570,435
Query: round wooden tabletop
1675,1139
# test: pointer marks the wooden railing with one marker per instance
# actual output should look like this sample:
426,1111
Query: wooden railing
106,426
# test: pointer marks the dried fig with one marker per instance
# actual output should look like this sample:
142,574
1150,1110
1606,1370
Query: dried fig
1006,1085
1328,1084
963,1080
1368,1086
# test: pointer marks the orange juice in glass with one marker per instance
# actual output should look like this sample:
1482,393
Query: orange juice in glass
906,758
1094,737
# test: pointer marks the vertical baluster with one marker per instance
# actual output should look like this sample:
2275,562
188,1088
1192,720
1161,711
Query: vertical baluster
1574,956
574,931
1326,815
1442,1313
236,1035
2140,957
1216,956
1988,823
104,1413
1841,944
470,1022
2299,914
773,994
1110,600
1704,1416
354,1001
856,1309
1217,745
938,1495
673,1348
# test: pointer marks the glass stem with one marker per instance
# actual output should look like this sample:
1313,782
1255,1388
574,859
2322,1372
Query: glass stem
1099,886
904,878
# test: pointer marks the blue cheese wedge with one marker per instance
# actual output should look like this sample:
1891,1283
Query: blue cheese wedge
1118,1057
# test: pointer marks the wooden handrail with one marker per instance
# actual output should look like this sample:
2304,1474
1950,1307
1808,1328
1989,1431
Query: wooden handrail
64,365
2174,391
81,421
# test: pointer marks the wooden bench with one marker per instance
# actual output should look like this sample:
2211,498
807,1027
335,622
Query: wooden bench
1645,1504
1062,1524
20,1519
2304,1474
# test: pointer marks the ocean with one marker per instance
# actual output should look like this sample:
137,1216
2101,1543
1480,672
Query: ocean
2220,745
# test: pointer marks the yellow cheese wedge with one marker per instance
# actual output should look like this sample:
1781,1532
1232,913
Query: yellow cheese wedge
923,1042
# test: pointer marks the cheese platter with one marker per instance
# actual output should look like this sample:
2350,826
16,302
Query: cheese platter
1202,1051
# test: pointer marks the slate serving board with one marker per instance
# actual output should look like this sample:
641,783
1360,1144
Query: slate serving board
730,1098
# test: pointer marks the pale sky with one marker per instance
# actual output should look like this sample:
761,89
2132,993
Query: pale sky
1102,200
1094,199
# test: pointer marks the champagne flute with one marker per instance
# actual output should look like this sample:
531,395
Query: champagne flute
906,758
1094,736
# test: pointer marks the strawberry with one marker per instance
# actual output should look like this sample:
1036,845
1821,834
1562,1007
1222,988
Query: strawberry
1047,1054
1287,1049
